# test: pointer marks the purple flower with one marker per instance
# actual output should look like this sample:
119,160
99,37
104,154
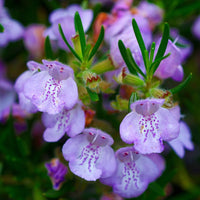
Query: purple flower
13,30
148,125
183,141
34,39
196,28
24,102
7,96
70,121
123,25
150,11
89,154
171,65
130,41
56,171
134,172
65,17
186,46
50,87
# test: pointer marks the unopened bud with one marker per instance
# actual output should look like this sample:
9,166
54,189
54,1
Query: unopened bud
103,66
133,80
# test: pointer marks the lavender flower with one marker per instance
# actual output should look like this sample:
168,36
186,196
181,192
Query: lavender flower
34,40
65,17
134,172
183,141
89,154
130,41
171,66
196,28
70,121
152,12
50,86
148,125
7,95
24,102
13,30
56,171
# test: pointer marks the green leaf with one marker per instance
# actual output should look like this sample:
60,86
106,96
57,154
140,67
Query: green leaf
157,61
1,28
66,42
98,43
53,194
181,85
133,98
62,56
162,47
48,49
37,194
93,95
1,168
155,187
125,57
133,63
146,54
80,30
140,40
23,147
152,51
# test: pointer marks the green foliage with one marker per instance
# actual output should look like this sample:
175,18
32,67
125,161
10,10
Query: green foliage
181,85
1,28
48,49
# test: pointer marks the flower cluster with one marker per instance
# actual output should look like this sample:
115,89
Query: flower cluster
71,95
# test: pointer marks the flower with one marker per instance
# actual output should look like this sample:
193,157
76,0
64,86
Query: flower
170,67
65,17
13,30
148,125
56,171
24,102
184,45
50,86
196,28
70,121
134,172
129,39
34,40
89,154
7,95
150,11
183,141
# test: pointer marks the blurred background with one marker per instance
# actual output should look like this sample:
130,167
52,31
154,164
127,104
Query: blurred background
22,156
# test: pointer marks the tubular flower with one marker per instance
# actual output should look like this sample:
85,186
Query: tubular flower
183,141
56,171
148,125
134,172
49,87
89,154
70,121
